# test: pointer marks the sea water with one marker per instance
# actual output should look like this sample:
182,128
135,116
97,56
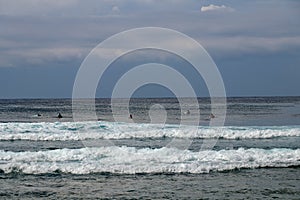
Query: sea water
256,154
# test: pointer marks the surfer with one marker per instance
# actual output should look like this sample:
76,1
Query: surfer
130,116
212,116
59,116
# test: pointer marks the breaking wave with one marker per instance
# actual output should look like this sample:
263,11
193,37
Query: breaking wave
64,131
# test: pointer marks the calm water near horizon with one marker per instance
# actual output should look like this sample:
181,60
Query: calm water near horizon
250,111
255,155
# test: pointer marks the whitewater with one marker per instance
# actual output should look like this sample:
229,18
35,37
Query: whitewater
129,160
66,131
147,158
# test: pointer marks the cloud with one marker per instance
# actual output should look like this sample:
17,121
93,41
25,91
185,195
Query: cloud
86,8
212,7
49,39
115,9
15,7
251,45
41,56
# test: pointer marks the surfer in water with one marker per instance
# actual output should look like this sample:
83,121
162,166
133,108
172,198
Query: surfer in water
130,116
212,116
59,116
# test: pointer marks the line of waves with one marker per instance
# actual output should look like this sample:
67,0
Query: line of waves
129,160
64,131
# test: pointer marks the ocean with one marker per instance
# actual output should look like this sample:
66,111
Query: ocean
255,155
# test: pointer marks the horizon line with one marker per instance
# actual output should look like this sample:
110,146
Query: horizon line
159,97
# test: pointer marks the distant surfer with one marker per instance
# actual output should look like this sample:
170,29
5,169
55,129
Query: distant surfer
212,116
130,116
59,116
39,115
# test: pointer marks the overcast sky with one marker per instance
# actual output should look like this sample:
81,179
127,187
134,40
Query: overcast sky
255,44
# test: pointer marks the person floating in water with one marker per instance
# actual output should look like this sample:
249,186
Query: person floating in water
59,116
130,116
212,116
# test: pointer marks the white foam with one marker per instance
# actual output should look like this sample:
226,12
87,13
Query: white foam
112,130
130,160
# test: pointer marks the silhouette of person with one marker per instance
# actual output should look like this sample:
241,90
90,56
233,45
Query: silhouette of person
59,116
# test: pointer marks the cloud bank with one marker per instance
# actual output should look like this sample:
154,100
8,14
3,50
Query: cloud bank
212,7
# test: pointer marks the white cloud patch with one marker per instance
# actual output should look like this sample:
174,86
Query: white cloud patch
115,9
212,7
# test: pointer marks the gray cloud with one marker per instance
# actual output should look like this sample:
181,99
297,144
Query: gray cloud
29,7
46,38
43,39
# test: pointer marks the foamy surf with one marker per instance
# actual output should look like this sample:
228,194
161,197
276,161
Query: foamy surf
64,131
129,160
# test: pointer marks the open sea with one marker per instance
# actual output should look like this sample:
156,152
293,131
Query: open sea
256,154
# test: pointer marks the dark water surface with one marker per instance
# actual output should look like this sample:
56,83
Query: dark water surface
241,111
269,183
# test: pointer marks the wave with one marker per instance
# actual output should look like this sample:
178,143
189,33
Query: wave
129,160
64,131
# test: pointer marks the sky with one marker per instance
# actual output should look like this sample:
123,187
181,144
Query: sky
255,44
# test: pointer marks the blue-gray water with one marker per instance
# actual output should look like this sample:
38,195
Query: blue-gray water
255,155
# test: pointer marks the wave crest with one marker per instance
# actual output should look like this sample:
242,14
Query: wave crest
129,160
65,131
